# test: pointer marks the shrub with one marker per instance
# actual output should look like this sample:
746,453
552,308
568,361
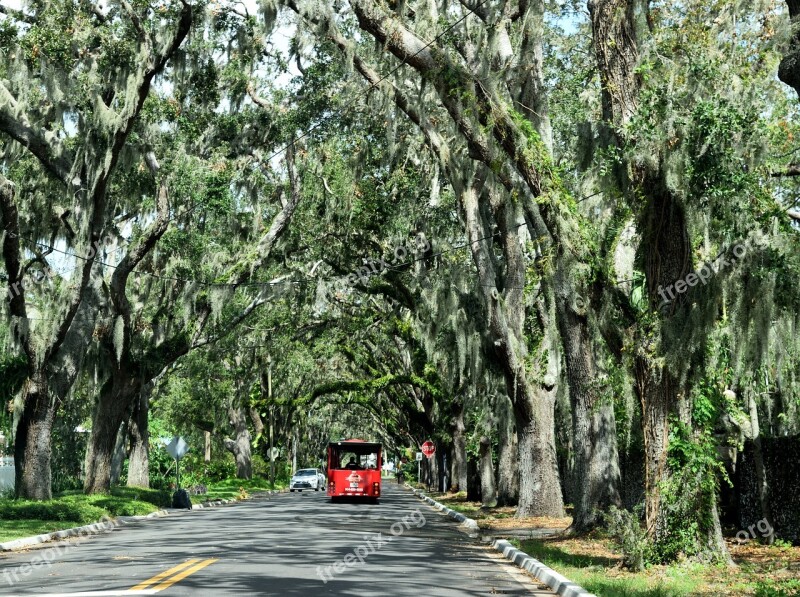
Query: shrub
58,510
627,531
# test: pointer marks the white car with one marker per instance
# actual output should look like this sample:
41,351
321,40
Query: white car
307,478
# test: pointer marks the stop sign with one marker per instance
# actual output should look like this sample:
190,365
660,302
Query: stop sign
428,448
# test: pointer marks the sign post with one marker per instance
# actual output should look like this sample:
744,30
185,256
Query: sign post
177,448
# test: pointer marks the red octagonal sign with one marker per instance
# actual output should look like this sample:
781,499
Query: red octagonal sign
429,448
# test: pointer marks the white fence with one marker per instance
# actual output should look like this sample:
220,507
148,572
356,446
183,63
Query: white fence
6,473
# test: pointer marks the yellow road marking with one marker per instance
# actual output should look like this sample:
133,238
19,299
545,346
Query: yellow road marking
181,575
162,575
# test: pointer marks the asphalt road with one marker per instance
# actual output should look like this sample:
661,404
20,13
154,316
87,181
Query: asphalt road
287,544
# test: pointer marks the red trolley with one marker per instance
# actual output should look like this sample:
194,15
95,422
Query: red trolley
354,469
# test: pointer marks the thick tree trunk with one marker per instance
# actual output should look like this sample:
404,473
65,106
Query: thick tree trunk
507,457
240,445
207,446
114,402
32,445
486,468
595,479
139,436
539,483
459,457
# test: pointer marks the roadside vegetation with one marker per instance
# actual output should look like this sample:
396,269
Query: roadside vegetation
595,561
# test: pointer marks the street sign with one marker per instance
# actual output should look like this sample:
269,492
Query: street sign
419,456
428,448
177,447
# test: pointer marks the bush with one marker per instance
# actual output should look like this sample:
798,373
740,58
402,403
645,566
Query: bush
58,510
627,531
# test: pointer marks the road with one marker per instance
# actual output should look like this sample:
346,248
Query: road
287,544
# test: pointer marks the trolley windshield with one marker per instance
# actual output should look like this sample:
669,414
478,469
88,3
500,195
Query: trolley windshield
355,456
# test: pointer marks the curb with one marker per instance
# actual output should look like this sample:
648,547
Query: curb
467,523
89,529
99,527
558,583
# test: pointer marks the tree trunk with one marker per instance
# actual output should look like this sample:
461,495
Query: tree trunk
595,479
486,467
507,457
207,450
32,445
789,69
473,481
240,446
112,407
761,472
539,483
139,435
119,453
459,458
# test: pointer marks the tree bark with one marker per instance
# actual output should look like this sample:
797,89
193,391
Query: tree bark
595,479
473,481
761,471
240,445
539,484
486,468
789,68
139,437
32,446
110,412
507,457
459,457
119,453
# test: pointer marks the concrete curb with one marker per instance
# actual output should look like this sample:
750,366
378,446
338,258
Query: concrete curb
467,523
99,527
558,583
89,529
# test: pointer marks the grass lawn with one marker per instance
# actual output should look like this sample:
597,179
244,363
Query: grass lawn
595,563
235,489
22,518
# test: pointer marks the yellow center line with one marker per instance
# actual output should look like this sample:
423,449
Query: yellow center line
181,575
162,575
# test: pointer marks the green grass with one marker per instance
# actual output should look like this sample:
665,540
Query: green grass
592,574
601,575
230,489
15,529
23,518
